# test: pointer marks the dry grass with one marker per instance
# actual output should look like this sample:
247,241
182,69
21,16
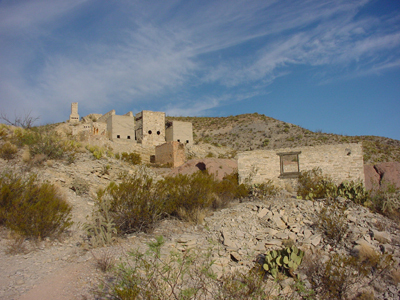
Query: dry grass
105,260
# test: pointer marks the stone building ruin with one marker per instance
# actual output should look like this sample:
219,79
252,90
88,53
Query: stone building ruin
74,116
150,127
282,166
179,131
140,133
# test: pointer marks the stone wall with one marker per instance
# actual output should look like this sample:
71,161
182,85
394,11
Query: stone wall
74,116
121,127
172,153
150,127
340,162
179,131
104,117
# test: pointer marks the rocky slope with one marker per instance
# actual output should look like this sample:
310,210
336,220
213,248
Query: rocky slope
67,268
255,131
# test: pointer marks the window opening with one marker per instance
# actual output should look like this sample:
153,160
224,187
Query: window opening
179,141
158,132
289,163
118,136
187,141
129,137
149,131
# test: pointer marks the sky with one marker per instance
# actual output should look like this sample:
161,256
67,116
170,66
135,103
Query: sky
324,65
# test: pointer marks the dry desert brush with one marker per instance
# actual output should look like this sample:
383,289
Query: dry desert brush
32,209
138,202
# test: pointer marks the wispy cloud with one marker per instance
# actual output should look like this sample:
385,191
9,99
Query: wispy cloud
147,51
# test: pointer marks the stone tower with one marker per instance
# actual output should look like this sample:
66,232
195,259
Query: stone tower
74,116
150,128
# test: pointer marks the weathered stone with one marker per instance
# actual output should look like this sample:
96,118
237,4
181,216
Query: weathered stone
263,212
389,173
278,222
382,237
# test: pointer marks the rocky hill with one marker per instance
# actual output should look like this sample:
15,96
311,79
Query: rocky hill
350,251
255,131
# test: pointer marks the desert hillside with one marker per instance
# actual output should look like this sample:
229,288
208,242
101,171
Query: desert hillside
255,131
86,221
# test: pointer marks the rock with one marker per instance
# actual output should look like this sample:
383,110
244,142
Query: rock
372,178
278,222
263,212
382,237
389,173
235,256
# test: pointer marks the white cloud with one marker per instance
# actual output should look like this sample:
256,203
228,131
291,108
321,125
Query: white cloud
166,47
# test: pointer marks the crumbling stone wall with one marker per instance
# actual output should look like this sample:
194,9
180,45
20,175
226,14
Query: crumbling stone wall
150,127
74,116
340,162
121,127
179,131
104,117
172,153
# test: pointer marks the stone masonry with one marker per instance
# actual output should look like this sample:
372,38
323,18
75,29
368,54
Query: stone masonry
150,127
172,153
121,127
74,116
340,162
179,131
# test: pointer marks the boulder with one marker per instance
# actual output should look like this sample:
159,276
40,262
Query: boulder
372,178
389,173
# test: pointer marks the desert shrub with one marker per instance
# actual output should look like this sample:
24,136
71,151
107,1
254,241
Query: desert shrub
49,145
98,152
188,192
264,190
132,158
177,275
314,185
353,190
8,151
229,189
337,277
80,186
138,202
134,203
385,201
210,154
32,209
45,142
332,221
101,229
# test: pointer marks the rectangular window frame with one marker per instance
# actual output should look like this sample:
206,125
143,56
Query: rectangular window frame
282,169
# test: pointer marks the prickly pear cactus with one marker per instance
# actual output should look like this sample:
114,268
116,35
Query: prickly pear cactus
286,261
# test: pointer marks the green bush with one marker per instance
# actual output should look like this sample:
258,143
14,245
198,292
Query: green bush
313,185
187,275
138,202
132,158
134,203
385,201
354,191
264,190
32,209
46,142
97,151
332,221
8,151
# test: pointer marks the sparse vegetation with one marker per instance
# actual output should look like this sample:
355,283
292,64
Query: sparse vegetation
32,209
8,151
139,202
132,158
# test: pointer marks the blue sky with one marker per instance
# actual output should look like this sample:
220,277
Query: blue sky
324,65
